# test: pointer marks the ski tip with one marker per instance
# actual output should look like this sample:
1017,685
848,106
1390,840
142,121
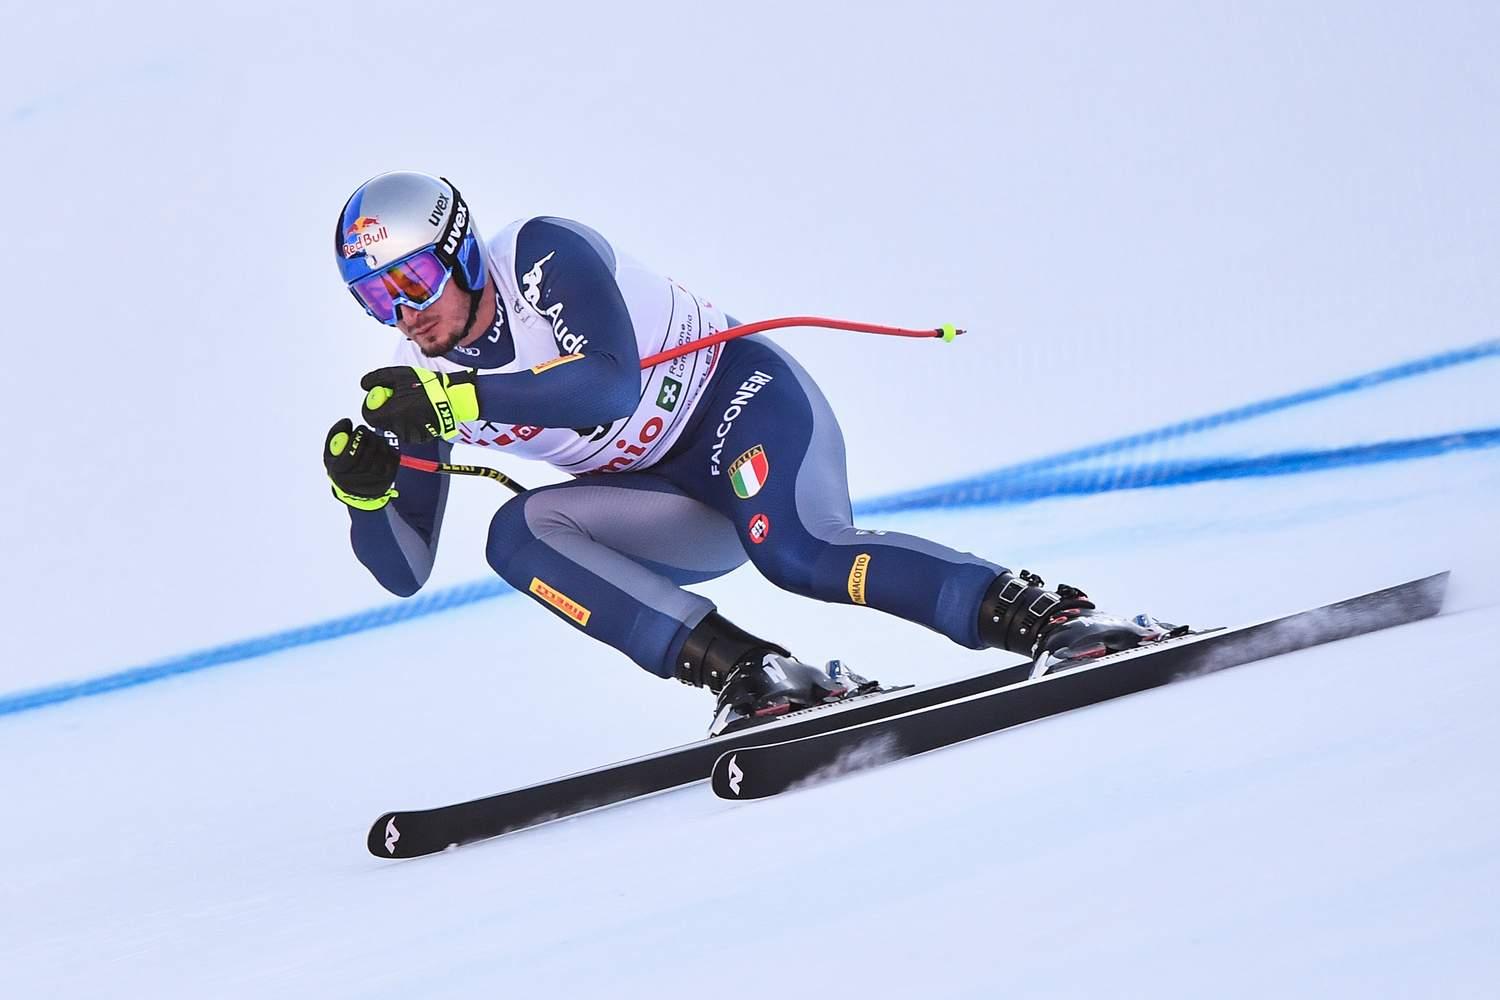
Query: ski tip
1437,586
1422,597
384,839
1435,590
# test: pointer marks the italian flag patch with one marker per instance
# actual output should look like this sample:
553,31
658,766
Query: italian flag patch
749,472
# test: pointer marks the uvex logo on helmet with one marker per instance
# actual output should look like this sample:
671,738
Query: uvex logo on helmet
456,229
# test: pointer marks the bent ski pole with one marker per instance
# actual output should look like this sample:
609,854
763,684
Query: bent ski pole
946,333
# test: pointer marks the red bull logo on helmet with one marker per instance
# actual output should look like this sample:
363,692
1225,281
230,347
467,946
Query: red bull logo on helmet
364,232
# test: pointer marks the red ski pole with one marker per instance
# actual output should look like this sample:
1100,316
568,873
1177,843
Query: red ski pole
946,333
450,469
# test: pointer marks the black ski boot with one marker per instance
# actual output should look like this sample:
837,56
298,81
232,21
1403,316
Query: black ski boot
757,681
1059,629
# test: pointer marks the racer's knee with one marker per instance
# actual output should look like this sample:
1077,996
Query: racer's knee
510,532
791,567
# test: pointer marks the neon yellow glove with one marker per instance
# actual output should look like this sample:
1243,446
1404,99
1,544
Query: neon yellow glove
361,465
418,405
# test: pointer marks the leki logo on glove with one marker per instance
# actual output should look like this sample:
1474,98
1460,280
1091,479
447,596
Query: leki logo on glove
365,231
858,576
562,602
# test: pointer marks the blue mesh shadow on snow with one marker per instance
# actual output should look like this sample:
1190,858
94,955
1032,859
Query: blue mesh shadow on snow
937,495
1020,483
1006,488
249,649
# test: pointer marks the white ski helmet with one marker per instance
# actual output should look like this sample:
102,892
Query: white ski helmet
400,236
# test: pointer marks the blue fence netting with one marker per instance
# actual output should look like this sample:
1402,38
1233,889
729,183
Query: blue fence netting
1024,482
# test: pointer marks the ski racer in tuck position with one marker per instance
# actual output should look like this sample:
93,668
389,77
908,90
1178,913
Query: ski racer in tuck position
531,342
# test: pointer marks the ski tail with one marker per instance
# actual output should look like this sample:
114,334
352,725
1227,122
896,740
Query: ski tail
415,833
774,767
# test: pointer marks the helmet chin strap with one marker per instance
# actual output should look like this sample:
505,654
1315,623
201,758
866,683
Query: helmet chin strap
473,311
476,295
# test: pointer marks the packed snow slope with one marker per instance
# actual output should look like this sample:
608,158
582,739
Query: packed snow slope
1143,217
1323,824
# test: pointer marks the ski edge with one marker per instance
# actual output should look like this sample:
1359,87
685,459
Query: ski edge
1431,589
382,845
383,836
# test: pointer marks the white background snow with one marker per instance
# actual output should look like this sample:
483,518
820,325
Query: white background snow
1141,215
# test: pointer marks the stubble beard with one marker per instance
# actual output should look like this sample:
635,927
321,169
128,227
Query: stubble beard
453,339
443,346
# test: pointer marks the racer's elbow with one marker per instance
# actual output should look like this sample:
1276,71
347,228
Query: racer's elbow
402,587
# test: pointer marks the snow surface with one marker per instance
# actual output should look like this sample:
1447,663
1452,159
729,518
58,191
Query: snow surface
1142,215
1322,824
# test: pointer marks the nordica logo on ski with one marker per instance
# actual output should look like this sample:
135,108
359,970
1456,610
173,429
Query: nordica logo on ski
391,836
735,774
567,343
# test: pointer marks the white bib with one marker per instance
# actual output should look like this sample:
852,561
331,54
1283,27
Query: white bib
664,315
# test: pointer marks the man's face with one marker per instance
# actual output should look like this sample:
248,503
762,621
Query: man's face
439,328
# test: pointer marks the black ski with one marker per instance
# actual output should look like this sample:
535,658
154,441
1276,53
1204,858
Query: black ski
759,771
427,831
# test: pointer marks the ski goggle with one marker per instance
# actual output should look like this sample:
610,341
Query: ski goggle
416,281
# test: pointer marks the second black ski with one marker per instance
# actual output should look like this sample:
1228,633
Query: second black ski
780,764
418,832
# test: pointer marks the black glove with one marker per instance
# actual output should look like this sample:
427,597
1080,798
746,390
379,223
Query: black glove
361,464
418,405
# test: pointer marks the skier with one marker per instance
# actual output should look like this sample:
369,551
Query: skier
531,343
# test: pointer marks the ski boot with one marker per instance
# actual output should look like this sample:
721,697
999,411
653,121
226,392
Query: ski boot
757,681
1059,629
